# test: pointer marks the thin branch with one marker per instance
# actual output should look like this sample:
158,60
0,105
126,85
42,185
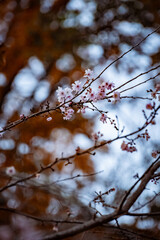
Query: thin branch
144,180
39,219
86,151
152,214
19,121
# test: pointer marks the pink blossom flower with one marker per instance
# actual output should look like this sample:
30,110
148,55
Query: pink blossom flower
96,136
149,106
110,86
92,96
103,118
82,110
68,113
153,94
83,98
10,171
124,146
116,96
100,95
88,74
60,94
77,86
68,93
49,119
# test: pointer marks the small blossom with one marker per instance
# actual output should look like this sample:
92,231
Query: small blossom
68,114
100,95
92,96
149,106
82,109
103,118
76,86
116,96
10,171
22,116
68,93
88,74
96,136
55,228
83,98
146,135
60,94
37,175
153,94
49,119
124,146
157,87
110,86
154,154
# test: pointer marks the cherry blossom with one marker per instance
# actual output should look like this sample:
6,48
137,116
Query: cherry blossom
10,171
96,136
61,94
68,93
127,147
82,109
88,74
77,86
68,113
116,96
49,119
154,154
149,106
103,118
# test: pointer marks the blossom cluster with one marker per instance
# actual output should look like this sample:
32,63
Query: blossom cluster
128,147
155,93
95,136
82,89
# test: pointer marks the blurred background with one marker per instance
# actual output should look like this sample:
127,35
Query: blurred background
49,43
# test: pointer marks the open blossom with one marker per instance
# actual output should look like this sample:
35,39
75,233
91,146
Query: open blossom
68,93
77,86
100,94
103,118
68,113
116,96
88,74
10,171
61,94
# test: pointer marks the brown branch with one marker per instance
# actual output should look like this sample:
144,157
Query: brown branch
124,207
39,219
152,214
86,151
19,121
117,59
